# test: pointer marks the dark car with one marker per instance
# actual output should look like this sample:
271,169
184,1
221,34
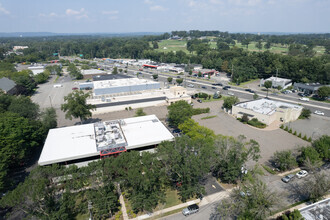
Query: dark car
203,87
198,100
226,87
176,131
214,87
190,210
193,80
218,84
249,90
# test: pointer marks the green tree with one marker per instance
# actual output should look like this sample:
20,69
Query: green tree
268,84
222,46
179,81
259,45
115,70
195,131
155,76
190,72
74,71
305,114
284,160
321,145
255,96
76,106
267,45
48,118
155,44
317,186
309,153
231,155
258,204
85,67
120,70
323,92
23,106
179,112
229,102
140,112
186,162
41,77
295,215
169,79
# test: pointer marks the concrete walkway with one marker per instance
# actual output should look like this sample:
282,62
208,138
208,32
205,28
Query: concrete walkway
206,200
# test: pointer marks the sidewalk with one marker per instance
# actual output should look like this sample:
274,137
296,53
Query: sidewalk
206,200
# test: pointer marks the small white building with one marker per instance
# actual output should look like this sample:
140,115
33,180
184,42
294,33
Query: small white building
85,143
36,69
267,111
277,81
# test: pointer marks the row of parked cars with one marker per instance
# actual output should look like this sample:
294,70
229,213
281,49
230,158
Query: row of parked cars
299,175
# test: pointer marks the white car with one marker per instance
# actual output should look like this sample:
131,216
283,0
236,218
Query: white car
302,173
190,85
318,112
304,99
230,93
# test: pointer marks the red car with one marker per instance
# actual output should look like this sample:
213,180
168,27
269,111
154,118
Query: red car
74,88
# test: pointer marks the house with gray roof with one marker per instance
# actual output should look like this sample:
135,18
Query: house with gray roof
8,86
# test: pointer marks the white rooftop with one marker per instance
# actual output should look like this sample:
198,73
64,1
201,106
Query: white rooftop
277,79
68,143
77,142
266,106
92,72
121,82
145,131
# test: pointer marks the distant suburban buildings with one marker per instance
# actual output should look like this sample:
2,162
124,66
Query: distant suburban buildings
277,81
19,48
92,72
267,111
8,86
308,88
84,143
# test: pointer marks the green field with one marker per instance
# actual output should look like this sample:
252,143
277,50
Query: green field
172,45
181,45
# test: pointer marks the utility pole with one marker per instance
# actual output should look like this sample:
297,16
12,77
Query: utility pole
276,76
232,71
90,210
50,99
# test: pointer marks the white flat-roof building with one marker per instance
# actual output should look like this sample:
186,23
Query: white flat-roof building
92,72
277,81
88,142
267,111
36,69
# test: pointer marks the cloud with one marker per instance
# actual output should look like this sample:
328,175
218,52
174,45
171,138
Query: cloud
157,8
110,12
245,2
148,2
216,2
50,15
192,3
77,14
3,10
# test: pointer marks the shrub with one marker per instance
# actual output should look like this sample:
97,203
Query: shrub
282,126
284,160
245,118
197,111
310,153
305,137
254,122
299,135
290,131
321,145
305,114
295,133
268,169
286,128
309,139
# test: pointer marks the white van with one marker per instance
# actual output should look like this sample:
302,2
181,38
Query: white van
58,85
304,99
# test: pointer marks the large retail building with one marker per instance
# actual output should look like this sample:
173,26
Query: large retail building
84,143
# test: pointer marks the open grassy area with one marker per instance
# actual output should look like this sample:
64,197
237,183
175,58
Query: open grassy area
172,45
209,117
172,198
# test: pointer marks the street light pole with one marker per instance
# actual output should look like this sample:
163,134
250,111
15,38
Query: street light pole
50,99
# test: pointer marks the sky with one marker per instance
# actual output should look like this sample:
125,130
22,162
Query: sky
122,16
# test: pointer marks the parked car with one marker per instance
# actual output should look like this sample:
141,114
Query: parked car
301,174
249,90
190,210
203,87
193,80
190,85
288,178
198,100
58,86
226,87
218,84
231,93
317,112
74,88
214,87
175,131
302,94
304,99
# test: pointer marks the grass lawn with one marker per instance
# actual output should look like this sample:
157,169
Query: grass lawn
211,99
209,117
82,216
325,101
172,45
172,198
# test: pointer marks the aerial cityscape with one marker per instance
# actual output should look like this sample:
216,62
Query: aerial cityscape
163,109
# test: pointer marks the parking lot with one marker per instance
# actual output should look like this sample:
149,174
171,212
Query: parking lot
47,95
270,140
314,127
